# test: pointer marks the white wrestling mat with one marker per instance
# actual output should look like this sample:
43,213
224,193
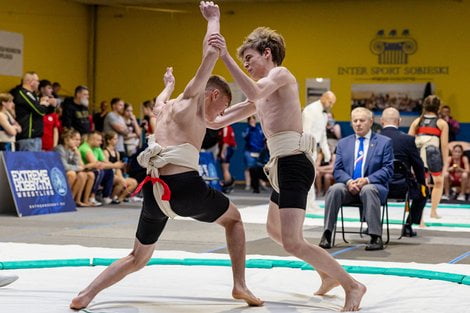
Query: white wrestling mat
202,288
454,217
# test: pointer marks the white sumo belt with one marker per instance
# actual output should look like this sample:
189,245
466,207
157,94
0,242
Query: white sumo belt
284,144
155,157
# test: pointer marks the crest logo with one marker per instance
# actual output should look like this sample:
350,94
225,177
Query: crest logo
58,181
393,48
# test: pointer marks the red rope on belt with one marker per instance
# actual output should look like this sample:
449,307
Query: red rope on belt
166,190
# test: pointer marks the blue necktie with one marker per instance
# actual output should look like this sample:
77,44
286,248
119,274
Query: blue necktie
359,159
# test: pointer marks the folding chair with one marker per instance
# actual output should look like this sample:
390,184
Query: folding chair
399,187
384,207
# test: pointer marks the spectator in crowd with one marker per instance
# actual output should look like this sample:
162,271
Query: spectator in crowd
432,134
123,187
132,140
51,122
363,167
94,159
457,174
324,174
80,180
149,122
30,110
75,111
227,147
98,117
257,172
211,141
9,127
333,132
404,149
314,121
454,126
114,121
56,87
254,144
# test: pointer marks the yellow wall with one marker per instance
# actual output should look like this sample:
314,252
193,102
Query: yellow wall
135,46
55,34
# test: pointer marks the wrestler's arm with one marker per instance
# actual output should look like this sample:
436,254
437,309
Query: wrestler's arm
276,78
169,81
211,13
233,114
412,130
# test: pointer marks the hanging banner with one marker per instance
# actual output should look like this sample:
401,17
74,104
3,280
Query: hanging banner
37,183
11,54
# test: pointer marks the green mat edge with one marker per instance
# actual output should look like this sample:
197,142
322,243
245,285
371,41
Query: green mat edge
250,263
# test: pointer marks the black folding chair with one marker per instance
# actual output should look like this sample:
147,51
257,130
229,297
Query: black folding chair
399,187
384,218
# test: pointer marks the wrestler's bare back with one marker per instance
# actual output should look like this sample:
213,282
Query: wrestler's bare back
280,111
180,121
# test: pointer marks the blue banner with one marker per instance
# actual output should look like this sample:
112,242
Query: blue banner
38,183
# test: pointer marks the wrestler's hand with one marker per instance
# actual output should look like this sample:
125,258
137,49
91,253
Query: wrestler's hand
209,10
218,41
168,78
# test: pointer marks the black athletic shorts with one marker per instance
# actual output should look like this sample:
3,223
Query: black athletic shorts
190,197
295,175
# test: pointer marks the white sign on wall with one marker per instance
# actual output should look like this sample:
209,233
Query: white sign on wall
11,54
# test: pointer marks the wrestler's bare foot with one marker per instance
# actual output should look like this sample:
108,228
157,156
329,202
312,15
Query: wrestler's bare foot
326,285
245,294
354,297
434,215
80,302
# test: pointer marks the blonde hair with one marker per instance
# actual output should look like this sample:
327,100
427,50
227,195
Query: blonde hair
5,97
369,113
262,38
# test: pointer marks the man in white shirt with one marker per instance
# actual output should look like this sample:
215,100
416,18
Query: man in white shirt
314,120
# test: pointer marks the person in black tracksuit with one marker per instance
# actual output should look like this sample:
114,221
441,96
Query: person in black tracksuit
29,113
405,150
75,111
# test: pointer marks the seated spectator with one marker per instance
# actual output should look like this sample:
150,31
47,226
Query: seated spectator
132,139
363,167
333,132
94,159
254,144
324,173
9,127
405,150
51,122
456,174
80,180
454,126
123,187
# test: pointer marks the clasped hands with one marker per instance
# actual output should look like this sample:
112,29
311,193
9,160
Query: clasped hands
355,186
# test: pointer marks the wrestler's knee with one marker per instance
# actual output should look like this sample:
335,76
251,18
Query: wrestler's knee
464,175
231,217
292,245
138,261
273,232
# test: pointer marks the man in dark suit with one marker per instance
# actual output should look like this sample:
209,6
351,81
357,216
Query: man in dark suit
404,149
363,167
